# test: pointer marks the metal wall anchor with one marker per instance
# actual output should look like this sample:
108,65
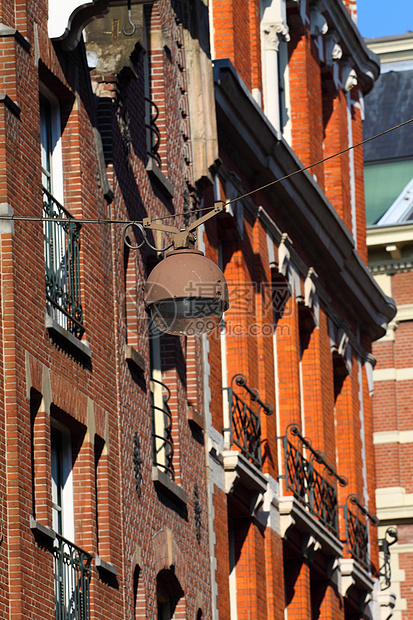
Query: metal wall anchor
129,34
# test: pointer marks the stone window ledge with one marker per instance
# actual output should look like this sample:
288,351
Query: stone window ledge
106,566
53,327
42,530
156,175
164,484
194,417
134,358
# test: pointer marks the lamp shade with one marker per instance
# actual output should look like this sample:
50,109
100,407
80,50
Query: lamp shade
186,293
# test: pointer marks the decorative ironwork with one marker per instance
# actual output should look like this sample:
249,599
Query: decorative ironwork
137,464
311,488
62,263
163,447
197,514
357,537
124,124
245,423
153,135
390,538
72,574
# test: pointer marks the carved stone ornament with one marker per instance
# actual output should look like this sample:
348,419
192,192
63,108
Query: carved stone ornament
343,341
318,23
137,464
67,19
332,48
284,254
348,77
310,288
197,514
274,33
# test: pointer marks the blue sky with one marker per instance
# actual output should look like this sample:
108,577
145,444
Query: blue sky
381,18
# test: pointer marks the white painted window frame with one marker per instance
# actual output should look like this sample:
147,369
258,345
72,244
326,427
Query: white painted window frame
56,154
66,483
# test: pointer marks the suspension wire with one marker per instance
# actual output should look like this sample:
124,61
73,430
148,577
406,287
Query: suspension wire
291,174
22,218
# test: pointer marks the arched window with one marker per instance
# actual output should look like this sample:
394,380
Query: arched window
168,593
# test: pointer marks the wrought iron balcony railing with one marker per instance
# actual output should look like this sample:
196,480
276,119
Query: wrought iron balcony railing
357,537
306,484
62,263
153,135
72,574
163,447
245,420
390,538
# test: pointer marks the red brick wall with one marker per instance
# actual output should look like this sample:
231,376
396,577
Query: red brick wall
121,398
306,101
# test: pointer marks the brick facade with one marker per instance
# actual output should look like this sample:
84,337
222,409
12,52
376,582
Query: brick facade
309,342
140,530
121,446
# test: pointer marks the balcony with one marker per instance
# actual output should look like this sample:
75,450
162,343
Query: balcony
243,459
312,490
245,419
62,264
310,499
72,574
309,487
356,579
153,135
153,140
357,538
163,447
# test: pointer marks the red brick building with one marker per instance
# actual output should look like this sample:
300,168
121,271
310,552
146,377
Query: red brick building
293,505
103,479
389,166
147,475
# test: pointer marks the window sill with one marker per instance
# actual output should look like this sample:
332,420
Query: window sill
61,333
163,483
42,530
105,566
134,358
156,175
195,418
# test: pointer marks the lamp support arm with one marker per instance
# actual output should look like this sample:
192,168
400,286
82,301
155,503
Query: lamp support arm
184,238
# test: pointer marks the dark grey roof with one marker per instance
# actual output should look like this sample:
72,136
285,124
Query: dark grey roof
388,104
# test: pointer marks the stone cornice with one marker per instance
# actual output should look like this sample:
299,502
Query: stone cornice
366,62
299,199
383,235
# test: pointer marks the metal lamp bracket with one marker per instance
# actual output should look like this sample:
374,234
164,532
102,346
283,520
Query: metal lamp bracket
183,238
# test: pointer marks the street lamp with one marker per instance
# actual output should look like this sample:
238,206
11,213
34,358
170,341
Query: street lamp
186,293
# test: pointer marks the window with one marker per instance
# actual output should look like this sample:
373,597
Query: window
161,415
62,485
153,136
72,570
168,595
62,236
164,609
